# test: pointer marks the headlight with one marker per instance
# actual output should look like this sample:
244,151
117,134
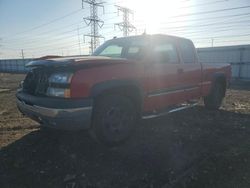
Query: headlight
60,78
58,92
59,85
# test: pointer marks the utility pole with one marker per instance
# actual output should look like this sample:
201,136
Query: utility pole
0,47
94,22
125,25
79,41
212,42
22,53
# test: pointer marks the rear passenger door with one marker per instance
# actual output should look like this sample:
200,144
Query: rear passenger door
190,70
163,82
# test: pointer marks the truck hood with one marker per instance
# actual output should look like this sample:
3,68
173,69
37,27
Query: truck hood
82,61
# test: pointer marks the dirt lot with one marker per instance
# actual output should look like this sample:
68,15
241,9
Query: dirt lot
191,148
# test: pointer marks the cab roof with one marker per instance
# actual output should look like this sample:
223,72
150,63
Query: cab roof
151,36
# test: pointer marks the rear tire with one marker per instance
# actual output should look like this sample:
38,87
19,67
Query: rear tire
214,100
113,119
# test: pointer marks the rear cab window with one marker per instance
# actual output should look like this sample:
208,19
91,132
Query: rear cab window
136,49
164,51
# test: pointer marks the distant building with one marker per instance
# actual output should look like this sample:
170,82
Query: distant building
237,56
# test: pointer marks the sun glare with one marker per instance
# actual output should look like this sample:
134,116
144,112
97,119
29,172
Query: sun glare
151,15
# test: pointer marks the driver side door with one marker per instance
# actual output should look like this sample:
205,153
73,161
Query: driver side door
164,87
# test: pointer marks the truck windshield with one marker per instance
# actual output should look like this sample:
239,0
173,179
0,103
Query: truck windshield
122,48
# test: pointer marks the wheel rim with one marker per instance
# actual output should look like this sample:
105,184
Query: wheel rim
117,123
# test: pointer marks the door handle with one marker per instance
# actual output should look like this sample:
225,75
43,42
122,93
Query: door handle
180,71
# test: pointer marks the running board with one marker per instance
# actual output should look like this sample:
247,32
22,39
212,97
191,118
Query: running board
169,111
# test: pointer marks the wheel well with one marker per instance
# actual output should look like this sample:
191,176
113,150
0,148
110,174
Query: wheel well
132,92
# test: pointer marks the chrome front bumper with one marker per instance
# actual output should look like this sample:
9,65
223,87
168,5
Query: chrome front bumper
76,118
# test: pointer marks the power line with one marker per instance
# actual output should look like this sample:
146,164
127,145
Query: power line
47,23
205,25
60,47
208,12
212,11
202,4
47,41
203,19
60,33
223,24
224,36
185,26
226,25
216,29
57,39
182,21
42,33
220,41
57,19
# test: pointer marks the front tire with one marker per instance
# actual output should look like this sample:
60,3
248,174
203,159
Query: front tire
214,100
113,119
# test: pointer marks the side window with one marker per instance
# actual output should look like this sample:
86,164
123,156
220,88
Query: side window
187,51
134,52
165,52
136,49
112,51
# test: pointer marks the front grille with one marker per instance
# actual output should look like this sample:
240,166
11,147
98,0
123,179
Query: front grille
36,82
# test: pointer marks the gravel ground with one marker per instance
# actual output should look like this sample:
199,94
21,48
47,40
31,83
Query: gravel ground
191,148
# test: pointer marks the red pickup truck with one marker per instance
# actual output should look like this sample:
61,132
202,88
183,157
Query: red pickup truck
124,80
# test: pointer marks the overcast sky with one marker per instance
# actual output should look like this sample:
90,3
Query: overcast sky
56,27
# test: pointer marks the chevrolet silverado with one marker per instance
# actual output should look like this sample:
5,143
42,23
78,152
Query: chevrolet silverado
124,80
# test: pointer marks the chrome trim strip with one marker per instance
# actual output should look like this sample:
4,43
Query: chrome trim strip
190,89
168,112
173,91
165,93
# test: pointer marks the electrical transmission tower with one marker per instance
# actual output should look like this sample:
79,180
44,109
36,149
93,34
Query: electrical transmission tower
125,26
94,22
